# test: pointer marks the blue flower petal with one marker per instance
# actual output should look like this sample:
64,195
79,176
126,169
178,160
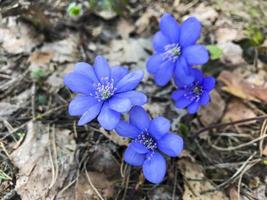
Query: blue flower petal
205,98
183,73
136,98
139,118
159,42
159,126
125,129
80,104
209,83
102,69
130,81
138,147
108,118
198,75
133,158
119,104
164,73
190,32
193,107
90,114
177,94
196,55
117,73
153,63
171,144
182,102
78,83
86,69
154,169
170,27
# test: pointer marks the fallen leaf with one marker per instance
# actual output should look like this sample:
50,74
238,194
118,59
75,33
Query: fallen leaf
16,37
39,177
226,34
197,183
206,14
213,112
237,86
264,152
236,111
83,189
233,193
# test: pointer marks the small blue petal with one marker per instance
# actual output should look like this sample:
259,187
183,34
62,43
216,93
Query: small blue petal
125,129
153,63
159,42
119,104
183,73
133,158
196,55
193,107
182,102
209,83
159,126
198,75
117,73
136,98
80,104
86,69
164,73
178,94
139,118
171,144
190,32
205,98
154,169
130,81
138,147
102,69
170,27
108,118
78,83
90,114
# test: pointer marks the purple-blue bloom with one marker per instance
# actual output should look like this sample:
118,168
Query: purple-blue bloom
149,136
103,92
192,96
176,50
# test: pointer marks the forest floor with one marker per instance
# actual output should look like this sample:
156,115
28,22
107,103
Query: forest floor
44,155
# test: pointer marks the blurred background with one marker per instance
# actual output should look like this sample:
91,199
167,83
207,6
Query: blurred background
44,155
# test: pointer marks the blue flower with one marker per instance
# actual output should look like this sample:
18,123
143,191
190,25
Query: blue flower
148,138
103,92
193,95
176,50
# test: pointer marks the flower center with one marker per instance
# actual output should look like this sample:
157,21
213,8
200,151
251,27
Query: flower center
147,141
194,91
104,90
171,52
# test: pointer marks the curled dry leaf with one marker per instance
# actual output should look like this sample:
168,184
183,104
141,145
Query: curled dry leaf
197,183
237,86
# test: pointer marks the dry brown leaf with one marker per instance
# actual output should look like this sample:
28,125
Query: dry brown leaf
231,54
214,110
236,110
233,193
35,166
264,152
83,189
197,183
237,86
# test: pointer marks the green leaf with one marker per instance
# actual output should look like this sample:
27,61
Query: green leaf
256,37
215,52
74,9
37,73
184,130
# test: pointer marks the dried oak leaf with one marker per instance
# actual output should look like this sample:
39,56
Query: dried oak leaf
237,86
197,183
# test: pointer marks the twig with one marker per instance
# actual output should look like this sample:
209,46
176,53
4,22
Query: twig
175,183
126,183
33,90
263,131
92,185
